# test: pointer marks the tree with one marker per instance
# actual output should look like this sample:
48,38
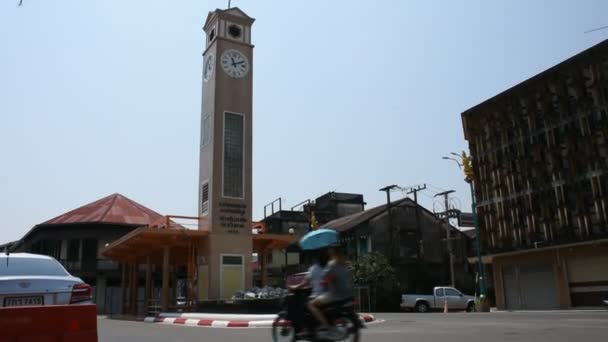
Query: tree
375,271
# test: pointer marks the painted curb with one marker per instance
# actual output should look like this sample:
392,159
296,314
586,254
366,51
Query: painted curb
258,321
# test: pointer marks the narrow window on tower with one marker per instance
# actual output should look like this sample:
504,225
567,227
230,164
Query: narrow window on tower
205,199
206,138
233,155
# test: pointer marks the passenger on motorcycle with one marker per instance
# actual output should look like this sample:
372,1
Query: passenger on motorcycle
338,283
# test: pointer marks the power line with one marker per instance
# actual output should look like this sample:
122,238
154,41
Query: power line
436,188
597,29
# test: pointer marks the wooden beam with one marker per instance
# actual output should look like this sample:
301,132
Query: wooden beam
133,297
165,288
148,293
123,288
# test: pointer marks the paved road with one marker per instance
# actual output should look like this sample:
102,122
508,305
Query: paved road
456,327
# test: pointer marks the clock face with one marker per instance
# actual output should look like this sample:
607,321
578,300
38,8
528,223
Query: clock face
208,68
234,63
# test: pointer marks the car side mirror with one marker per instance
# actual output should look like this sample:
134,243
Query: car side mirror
461,295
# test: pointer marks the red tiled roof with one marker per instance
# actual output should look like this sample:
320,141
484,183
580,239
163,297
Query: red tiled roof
115,209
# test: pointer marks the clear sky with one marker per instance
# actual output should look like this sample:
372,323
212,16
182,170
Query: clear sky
98,97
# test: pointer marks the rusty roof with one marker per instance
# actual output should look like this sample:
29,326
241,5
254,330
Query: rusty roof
113,209
346,223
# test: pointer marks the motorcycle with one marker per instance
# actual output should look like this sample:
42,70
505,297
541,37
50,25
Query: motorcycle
340,315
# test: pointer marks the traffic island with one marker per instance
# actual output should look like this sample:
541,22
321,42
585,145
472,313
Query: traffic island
211,320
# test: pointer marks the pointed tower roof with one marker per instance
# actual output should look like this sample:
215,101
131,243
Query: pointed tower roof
113,209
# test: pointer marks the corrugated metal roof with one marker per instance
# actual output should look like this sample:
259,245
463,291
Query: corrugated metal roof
345,223
349,222
113,209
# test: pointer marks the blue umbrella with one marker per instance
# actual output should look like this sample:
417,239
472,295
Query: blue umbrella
319,238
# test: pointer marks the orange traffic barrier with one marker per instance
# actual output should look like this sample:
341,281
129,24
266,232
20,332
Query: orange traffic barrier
60,323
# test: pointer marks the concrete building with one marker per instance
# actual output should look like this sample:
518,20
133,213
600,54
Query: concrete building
323,209
333,205
540,158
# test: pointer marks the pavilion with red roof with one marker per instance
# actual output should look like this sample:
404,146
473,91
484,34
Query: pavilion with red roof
110,241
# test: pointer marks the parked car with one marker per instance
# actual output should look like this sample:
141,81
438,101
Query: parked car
456,300
295,279
32,280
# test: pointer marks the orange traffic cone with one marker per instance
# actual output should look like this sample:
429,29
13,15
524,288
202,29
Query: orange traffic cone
445,306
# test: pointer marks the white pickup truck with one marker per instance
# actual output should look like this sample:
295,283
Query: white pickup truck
456,300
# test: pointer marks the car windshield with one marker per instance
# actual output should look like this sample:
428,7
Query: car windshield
30,267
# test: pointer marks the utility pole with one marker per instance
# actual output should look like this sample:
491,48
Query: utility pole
391,244
465,163
418,229
448,235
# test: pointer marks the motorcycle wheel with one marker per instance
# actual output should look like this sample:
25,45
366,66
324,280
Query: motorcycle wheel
283,330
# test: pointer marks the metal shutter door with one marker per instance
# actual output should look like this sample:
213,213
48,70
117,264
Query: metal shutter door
511,287
538,288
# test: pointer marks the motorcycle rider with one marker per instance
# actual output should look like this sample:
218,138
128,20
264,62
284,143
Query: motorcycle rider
313,280
338,283
315,274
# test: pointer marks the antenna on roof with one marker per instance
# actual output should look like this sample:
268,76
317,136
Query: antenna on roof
597,29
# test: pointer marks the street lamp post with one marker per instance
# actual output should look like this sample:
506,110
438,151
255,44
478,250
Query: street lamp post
465,161
482,282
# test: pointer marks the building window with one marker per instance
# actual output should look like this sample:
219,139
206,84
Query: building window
232,260
233,155
206,138
205,199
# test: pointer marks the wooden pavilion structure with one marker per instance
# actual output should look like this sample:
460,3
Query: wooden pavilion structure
165,246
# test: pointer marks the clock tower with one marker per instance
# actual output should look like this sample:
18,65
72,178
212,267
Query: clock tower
225,155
